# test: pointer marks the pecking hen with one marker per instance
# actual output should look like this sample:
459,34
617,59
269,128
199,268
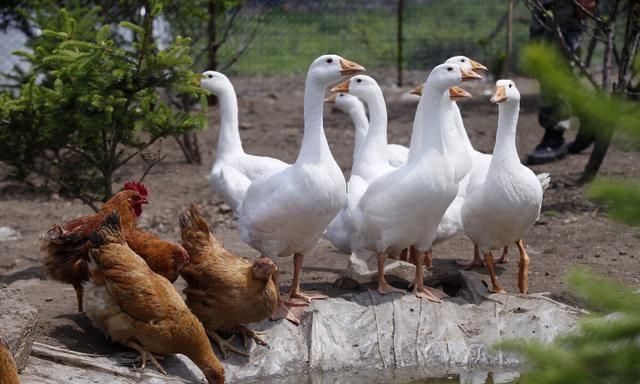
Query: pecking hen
224,291
136,307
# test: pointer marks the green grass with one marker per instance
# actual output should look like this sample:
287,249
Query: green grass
289,40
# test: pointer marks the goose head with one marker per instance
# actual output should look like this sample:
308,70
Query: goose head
505,92
455,93
330,68
344,101
447,75
214,82
466,63
362,86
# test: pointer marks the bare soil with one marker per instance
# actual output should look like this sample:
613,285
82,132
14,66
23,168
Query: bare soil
571,231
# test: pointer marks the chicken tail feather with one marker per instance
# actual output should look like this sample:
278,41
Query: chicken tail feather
191,219
64,255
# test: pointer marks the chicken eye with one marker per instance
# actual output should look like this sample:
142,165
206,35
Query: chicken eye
449,69
329,60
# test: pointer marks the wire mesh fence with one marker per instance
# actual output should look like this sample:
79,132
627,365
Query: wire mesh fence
270,37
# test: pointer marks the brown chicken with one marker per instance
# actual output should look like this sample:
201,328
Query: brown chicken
8,369
224,291
65,248
141,309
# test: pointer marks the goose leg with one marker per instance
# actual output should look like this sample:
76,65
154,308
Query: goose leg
383,286
428,259
418,283
296,292
284,309
495,285
504,259
477,261
523,268
79,292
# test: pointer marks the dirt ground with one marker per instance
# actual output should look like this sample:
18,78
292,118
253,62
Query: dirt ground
571,231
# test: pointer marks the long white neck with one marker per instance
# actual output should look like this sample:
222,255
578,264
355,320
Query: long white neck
429,122
452,138
314,142
462,132
359,117
374,150
504,151
229,142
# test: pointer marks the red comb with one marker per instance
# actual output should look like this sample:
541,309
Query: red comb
136,186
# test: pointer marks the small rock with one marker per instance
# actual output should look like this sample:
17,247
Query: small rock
346,283
18,321
224,209
8,234
245,126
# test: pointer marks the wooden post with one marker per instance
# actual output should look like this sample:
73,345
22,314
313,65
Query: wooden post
509,40
399,37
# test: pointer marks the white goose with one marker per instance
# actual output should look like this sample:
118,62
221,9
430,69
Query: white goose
285,213
233,170
403,207
500,210
371,159
351,105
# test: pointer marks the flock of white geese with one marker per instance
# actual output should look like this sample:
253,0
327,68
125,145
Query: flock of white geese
397,198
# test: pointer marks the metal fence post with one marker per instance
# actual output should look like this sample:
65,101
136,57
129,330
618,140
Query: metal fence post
399,37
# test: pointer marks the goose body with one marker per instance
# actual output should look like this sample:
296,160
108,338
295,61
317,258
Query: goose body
233,170
499,211
286,212
404,207
370,160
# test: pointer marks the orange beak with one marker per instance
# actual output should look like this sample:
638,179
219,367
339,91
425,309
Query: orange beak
469,75
331,99
349,67
475,66
499,94
417,90
342,87
456,93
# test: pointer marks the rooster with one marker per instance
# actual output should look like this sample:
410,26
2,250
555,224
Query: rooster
141,309
65,247
224,291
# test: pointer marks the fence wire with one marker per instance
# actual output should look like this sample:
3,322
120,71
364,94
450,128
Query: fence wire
272,37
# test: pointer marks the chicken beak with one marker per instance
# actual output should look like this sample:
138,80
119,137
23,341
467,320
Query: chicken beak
349,67
342,87
475,66
417,90
331,99
456,93
499,94
196,79
469,75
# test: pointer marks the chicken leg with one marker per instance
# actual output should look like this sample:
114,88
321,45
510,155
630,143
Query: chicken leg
225,345
495,285
418,283
523,268
247,334
383,286
144,356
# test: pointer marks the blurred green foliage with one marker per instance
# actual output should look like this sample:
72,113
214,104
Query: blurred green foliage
89,105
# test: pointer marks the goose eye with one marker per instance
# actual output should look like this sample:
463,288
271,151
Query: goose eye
449,69
329,60
359,80
510,85
341,95
210,76
462,60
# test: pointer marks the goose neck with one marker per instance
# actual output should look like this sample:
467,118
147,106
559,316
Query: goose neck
229,142
374,151
314,146
505,147
361,124
432,116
